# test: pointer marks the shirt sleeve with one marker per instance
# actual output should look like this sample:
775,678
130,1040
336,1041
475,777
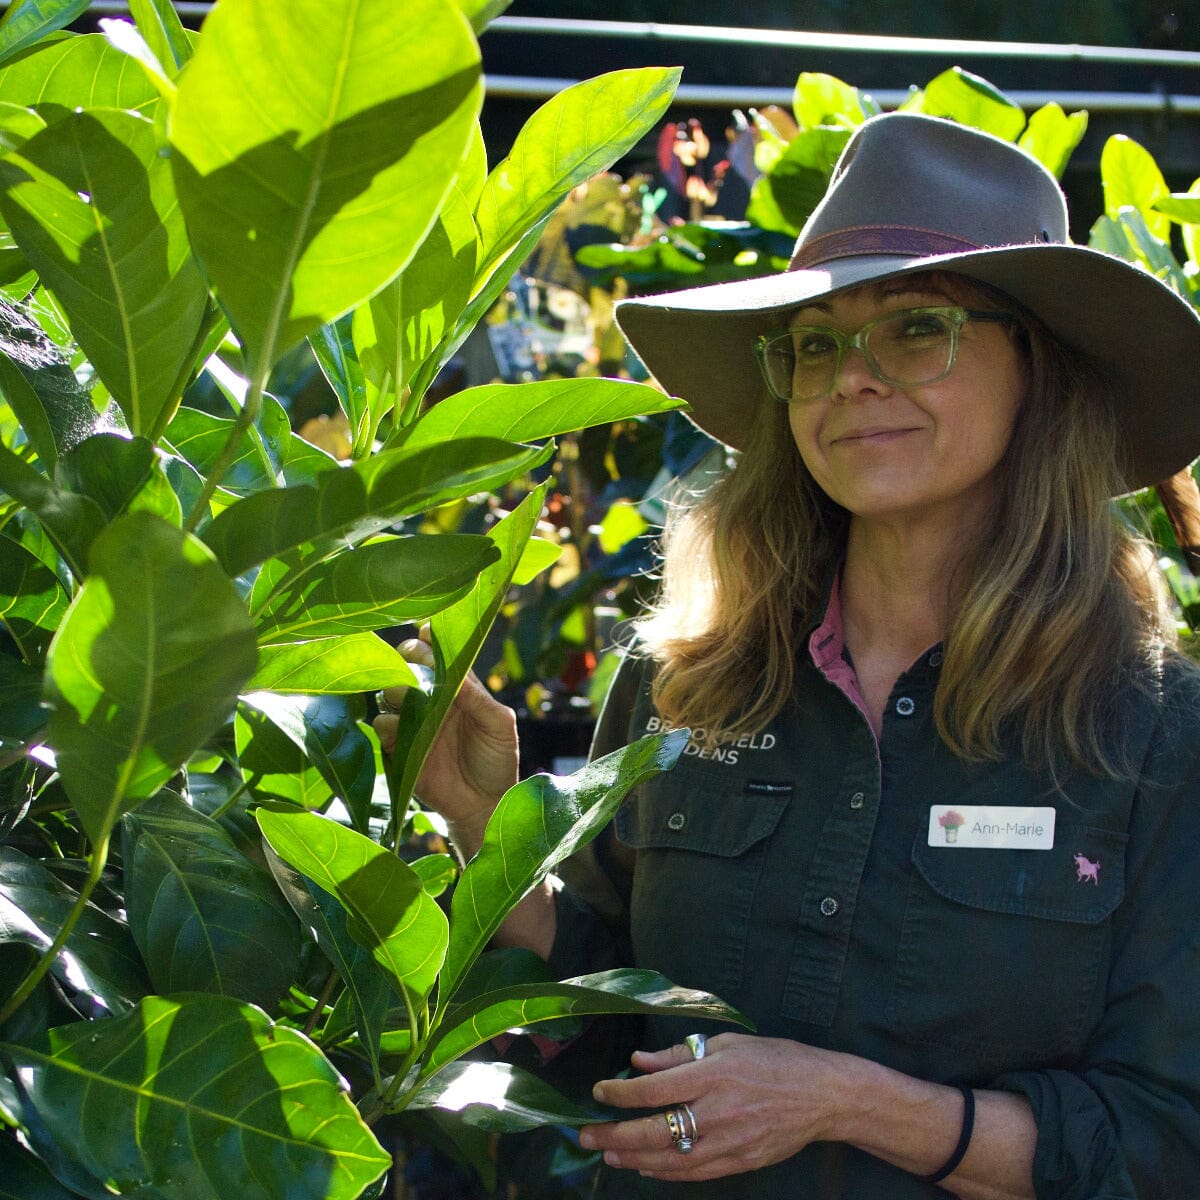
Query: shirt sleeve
1124,1124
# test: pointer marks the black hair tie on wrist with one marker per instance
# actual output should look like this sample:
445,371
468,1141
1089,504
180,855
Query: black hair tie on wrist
964,1138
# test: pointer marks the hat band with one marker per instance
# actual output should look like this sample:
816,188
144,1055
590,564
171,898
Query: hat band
877,239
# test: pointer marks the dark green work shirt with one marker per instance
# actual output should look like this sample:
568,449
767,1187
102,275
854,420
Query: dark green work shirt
797,874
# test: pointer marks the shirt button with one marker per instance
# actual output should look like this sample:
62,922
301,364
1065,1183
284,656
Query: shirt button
676,821
856,801
905,706
936,658
829,906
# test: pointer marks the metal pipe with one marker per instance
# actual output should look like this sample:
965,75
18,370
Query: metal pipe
703,95
800,40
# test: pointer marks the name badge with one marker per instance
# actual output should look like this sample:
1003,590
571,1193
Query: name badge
991,827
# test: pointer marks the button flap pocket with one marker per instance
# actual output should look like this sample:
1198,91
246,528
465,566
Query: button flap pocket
1081,878
677,815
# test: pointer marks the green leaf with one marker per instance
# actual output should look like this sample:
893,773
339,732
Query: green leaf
1131,179
304,201
538,823
91,203
205,918
502,1098
325,919
66,72
333,348
458,635
1051,136
971,100
378,585
198,1096
355,662
160,25
351,503
535,558
326,729
21,712
274,767
39,384
527,412
801,174
390,913
28,21
481,13
582,130
619,991
32,600
22,1177
108,469
71,521
146,665
99,959
821,99
1130,238
1180,206
436,871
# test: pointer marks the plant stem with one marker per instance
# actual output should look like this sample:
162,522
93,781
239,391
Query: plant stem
322,1001
387,1102
244,420
227,804
98,859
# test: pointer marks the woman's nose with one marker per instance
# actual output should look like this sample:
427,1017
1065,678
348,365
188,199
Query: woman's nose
855,376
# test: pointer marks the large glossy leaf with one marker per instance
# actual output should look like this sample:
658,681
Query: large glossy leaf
530,411
538,823
313,144
1132,179
799,177
65,72
502,1098
22,1177
582,130
325,919
201,1097
351,503
205,918
21,711
32,600
619,991
820,99
28,21
378,585
333,347
146,665
99,960
389,911
91,203
108,468
971,100
482,12
39,384
325,729
458,635
71,521
1051,136
355,662
273,766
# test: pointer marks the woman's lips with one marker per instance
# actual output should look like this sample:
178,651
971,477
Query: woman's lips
871,436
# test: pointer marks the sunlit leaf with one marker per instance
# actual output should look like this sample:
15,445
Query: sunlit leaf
160,25
32,599
1132,179
28,21
313,144
971,100
820,99
357,662
1051,136
390,913
198,1096
146,664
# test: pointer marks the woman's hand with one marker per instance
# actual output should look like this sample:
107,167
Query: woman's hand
755,1101
472,763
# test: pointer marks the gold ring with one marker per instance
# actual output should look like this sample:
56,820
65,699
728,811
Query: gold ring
674,1118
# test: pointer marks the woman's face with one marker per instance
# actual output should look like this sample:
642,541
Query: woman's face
889,453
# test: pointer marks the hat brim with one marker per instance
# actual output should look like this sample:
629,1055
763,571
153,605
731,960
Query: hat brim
698,343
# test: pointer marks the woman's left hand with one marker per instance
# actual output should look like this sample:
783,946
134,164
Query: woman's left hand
755,1101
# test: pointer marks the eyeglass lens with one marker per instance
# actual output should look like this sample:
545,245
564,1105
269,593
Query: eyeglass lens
905,348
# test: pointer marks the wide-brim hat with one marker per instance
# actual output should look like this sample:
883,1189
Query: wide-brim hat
912,193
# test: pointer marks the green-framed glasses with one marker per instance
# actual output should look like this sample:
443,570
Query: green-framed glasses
906,348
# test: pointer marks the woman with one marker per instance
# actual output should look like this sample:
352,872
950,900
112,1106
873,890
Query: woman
934,830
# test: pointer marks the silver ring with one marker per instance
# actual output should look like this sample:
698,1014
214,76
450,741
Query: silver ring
381,703
697,1043
686,1110
674,1118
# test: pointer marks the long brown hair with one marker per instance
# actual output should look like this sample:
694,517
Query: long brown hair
1054,607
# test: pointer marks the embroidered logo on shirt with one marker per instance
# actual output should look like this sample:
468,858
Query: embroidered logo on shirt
762,787
1085,869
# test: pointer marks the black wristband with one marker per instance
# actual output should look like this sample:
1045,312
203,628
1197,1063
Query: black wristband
964,1138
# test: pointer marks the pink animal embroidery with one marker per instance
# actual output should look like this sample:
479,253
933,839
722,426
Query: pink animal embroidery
1086,869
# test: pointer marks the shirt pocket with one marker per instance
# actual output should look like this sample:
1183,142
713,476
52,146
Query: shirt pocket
1002,960
699,845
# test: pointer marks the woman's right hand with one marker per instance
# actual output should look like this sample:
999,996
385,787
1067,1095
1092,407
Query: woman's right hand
473,760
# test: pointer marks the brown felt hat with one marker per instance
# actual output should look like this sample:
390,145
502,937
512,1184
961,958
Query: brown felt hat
913,193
